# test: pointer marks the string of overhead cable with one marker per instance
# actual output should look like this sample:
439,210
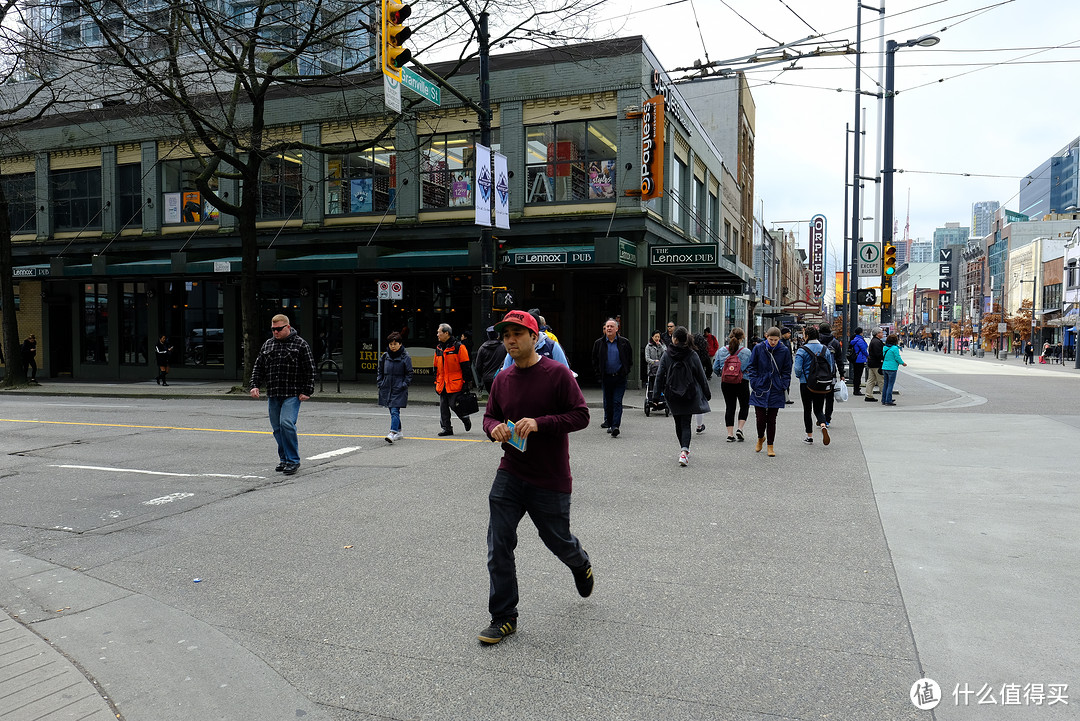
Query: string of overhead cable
792,11
994,65
763,71
743,18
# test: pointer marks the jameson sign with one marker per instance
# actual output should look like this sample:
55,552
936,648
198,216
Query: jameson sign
817,255
698,255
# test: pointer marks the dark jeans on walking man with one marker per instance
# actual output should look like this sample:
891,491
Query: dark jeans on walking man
614,386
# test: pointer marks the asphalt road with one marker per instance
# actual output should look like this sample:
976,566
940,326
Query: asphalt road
151,541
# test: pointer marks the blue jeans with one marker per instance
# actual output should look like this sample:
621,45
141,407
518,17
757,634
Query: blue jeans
887,386
395,419
509,500
614,385
283,413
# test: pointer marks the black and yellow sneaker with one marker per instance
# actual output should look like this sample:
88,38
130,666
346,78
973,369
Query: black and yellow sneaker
498,630
583,578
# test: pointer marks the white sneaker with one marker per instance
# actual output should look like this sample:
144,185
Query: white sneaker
390,437
397,435
684,458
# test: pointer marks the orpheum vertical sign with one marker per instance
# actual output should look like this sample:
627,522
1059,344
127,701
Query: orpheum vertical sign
817,255
652,148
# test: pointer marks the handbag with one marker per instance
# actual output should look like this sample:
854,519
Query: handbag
466,403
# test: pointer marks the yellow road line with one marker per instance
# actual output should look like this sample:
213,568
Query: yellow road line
228,430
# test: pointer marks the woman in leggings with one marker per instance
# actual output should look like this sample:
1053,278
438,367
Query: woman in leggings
769,372
735,393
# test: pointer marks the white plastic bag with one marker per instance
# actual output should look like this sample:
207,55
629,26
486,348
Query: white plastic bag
840,391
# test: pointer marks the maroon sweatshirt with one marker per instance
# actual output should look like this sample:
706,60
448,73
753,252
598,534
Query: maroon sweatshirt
547,392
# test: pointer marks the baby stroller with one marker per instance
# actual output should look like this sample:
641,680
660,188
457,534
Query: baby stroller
650,406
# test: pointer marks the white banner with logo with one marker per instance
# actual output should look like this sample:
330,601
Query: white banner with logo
502,193
482,193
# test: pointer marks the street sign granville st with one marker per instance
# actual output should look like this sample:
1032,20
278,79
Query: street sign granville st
817,254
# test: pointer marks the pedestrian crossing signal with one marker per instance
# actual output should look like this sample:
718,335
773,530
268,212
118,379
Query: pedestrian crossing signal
866,296
502,299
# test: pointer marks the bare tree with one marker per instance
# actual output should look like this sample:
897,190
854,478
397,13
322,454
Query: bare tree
24,97
206,72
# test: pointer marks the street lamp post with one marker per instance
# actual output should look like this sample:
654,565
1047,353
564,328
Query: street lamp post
887,169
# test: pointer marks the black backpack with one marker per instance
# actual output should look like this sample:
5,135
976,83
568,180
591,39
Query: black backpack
819,374
680,381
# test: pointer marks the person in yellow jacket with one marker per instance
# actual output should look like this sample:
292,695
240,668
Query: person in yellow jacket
453,372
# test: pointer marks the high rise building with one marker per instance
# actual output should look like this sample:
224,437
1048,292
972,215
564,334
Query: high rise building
982,217
951,234
921,251
1053,186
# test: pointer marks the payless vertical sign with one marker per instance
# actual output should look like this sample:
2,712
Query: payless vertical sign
652,148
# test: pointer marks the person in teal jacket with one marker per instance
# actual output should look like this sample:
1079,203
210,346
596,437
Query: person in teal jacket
889,365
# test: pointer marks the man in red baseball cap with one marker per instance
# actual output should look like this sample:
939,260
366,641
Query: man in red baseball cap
534,406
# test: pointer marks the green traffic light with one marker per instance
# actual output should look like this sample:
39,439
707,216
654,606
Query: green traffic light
890,270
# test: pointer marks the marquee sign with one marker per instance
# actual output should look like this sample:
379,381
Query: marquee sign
817,255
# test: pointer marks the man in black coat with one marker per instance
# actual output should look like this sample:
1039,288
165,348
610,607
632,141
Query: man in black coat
612,358
874,356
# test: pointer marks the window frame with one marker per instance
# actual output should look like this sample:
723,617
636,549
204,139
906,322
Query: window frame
84,196
591,166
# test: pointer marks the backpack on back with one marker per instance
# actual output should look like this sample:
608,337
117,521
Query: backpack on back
819,373
852,353
680,381
732,371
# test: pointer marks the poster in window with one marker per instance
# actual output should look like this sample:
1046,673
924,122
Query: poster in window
172,207
360,195
191,211
601,179
460,189
210,212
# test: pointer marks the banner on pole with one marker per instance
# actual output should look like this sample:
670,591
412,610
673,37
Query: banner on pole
482,196
502,193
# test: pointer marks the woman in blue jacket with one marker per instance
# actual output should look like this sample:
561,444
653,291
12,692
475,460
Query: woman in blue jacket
393,378
860,352
769,372
889,365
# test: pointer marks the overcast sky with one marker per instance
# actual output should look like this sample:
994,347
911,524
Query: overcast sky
1005,104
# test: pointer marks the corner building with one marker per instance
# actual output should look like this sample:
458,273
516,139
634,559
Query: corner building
113,238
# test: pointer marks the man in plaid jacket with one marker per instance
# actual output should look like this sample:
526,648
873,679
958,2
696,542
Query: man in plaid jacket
286,368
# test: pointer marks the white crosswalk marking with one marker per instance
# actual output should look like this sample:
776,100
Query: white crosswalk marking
331,454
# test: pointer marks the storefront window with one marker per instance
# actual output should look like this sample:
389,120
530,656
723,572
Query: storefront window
129,201
134,343
76,198
361,182
19,191
280,180
328,327
572,161
447,169
678,177
95,331
181,200
197,312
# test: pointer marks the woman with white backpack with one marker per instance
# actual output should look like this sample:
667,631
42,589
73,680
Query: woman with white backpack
730,366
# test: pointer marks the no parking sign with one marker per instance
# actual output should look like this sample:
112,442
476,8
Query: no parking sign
390,289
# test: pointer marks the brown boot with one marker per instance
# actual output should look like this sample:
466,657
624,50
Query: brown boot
760,443
771,453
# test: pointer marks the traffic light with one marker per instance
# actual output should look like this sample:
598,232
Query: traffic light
889,253
866,296
886,297
394,34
